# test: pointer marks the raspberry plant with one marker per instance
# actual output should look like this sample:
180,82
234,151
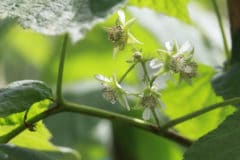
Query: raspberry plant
24,104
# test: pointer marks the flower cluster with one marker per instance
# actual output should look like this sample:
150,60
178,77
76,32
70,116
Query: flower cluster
174,60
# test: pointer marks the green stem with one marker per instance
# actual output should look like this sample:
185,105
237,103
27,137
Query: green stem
200,112
77,108
87,110
126,73
226,48
143,63
7,137
156,76
59,97
155,117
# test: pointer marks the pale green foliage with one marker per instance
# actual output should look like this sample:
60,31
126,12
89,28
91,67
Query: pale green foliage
185,99
59,16
176,8
30,143
12,121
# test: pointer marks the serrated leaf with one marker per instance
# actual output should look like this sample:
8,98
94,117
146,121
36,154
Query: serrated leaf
220,144
20,95
175,8
59,16
184,99
12,152
226,84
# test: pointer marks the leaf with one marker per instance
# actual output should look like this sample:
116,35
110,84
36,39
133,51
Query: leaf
12,152
220,144
20,95
226,84
30,143
184,99
135,144
12,121
175,8
57,17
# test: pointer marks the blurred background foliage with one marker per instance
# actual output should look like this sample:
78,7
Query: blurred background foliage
28,55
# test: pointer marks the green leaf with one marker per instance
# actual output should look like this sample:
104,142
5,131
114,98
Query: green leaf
59,16
226,84
27,138
10,122
136,144
184,99
220,144
13,152
31,143
20,95
175,8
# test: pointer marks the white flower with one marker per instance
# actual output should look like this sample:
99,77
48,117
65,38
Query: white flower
120,34
169,46
155,63
112,91
121,17
151,101
176,60
109,95
102,78
188,69
186,48
147,113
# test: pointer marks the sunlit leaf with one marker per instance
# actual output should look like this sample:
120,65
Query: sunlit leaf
29,143
183,99
176,8
135,144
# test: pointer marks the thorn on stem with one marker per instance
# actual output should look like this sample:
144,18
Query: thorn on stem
31,127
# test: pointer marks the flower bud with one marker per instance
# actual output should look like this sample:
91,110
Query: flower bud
137,55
